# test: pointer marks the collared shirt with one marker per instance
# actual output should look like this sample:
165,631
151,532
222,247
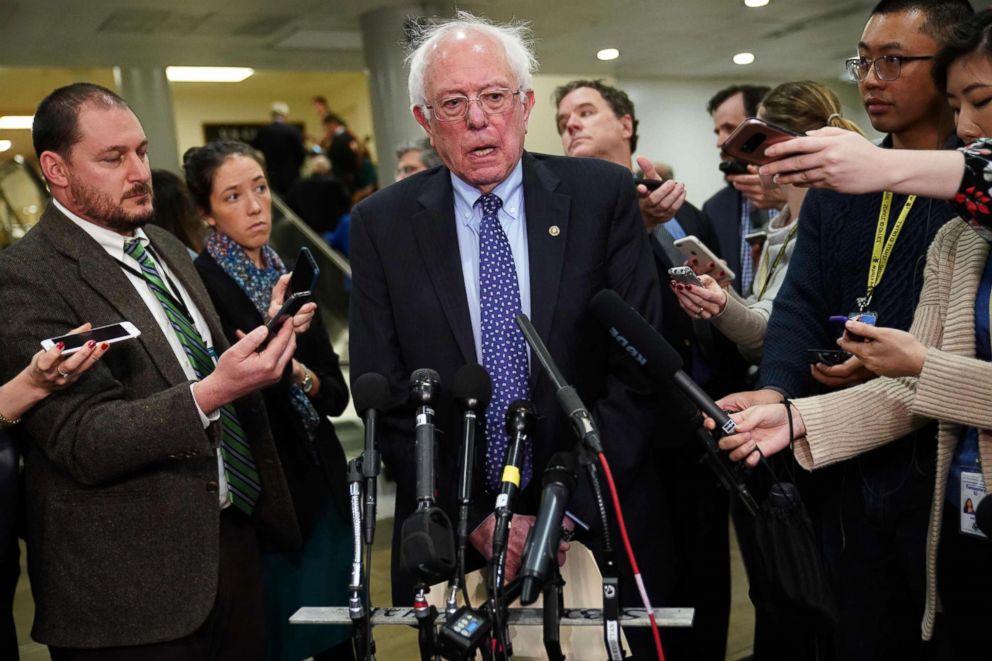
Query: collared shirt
512,219
113,243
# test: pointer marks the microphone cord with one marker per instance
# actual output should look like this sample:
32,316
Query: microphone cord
630,555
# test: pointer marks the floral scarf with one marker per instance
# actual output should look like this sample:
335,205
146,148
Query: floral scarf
257,283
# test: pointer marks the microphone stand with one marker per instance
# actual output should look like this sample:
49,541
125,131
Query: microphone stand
554,602
464,502
357,609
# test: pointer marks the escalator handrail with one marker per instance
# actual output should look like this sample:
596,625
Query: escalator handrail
316,241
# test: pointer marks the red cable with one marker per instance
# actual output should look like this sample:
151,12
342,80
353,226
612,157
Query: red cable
630,555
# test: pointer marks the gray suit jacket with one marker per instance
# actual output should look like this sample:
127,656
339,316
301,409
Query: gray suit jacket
123,518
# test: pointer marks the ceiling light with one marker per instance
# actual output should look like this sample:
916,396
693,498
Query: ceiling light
744,58
207,74
16,122
755,3
5,145
608,54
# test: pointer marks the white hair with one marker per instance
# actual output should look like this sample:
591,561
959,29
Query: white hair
516,39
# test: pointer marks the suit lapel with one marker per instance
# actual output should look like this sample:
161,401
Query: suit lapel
547,233
437,239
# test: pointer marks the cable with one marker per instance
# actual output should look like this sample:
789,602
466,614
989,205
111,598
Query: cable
630,555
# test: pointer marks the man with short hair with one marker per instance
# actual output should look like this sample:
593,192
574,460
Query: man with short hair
744,205
281,144
415,156
147,480
341,147
442,262
873,510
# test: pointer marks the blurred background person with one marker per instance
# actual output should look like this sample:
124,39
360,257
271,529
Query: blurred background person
415,156
320,198
341,147
175,211
240,270
282,146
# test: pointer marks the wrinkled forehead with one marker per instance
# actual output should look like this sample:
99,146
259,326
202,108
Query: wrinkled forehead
466,57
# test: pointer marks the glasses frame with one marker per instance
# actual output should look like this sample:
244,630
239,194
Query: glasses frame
862,72
476,99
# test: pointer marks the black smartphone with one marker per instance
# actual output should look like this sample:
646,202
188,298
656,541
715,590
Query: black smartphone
826,356
732,167
305,273
289,308
651,184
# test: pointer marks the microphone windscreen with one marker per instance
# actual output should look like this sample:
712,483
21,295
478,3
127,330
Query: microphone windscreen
472,386
370,391
983,516
635,335
425,375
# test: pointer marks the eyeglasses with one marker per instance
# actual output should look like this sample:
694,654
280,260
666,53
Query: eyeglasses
887,67
493,102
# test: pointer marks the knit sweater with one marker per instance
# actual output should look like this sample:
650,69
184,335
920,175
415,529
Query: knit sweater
954,387
828,271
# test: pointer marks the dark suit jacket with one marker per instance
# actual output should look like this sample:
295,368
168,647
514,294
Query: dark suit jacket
122,510
409,311
282,145
724,213
312,470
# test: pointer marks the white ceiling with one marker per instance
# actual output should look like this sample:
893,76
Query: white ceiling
657,38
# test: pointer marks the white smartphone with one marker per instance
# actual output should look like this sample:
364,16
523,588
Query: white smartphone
111,333
691,247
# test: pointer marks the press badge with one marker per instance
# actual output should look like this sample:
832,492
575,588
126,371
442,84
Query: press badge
972,492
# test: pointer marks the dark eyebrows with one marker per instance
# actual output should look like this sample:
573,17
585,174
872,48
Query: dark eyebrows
974,86
234,186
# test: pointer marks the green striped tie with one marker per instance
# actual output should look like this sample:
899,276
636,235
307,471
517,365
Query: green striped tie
239,465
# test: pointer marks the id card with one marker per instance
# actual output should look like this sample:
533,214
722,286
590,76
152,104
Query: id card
972,492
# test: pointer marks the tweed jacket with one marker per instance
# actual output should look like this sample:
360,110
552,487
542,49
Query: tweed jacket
954,387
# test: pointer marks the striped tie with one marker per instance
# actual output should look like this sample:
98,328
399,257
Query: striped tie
239,465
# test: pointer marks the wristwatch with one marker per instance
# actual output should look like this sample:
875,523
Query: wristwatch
307,384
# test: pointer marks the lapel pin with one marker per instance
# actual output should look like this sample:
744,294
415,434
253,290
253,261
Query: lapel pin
554,231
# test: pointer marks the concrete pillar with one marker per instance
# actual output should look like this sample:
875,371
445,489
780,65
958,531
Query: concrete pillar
146,90
383,41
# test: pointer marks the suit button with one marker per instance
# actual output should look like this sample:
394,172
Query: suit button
212,486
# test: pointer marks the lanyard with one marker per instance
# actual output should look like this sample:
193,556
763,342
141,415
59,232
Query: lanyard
882,249
777,261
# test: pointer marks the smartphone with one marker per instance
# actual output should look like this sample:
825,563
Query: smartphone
732,167
826,356
111,333
869,318
651,184
691,247
289,308
305,272
684,275
758,237
752,137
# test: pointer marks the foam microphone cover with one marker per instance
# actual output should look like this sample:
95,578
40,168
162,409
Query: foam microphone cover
472,387
635,335
370,391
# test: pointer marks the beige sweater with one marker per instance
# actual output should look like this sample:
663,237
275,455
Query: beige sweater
954,387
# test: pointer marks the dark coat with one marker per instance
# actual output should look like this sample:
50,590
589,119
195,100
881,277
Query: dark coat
282,145
122,505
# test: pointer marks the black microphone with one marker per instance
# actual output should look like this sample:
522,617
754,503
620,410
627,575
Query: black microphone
983,516
472,389
371,395
541,551
520,419
650,350
424,385
569,399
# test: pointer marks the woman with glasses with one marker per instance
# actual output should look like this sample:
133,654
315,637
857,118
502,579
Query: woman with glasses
246,281
940,369
799,106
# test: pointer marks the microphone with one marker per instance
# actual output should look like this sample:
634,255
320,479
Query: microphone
424,384
541,551
642,342
472,389
569,399
520,419
371,395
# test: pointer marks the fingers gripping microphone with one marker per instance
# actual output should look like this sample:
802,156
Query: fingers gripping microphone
371,395
541,550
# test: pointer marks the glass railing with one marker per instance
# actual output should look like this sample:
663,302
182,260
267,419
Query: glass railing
23,196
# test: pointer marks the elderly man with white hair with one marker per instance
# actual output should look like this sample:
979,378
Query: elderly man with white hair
443,261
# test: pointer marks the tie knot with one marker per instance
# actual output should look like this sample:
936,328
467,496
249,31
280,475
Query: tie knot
133,248
490,204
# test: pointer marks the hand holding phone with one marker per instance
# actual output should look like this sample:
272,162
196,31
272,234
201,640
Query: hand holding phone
109,334
826,356
289,309
693,248
752,137
684,275
305,272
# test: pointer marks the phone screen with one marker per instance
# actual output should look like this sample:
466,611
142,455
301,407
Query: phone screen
305,273
103,334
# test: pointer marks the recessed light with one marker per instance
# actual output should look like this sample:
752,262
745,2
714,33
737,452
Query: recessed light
5,145
755,3
207,74
744,58
608,54
16,122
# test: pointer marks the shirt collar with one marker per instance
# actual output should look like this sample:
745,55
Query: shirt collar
109,240
510,191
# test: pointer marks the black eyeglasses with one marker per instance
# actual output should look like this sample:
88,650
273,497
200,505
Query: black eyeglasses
887,67
493,102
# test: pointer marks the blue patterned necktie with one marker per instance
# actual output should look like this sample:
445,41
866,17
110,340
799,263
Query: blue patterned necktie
504,350
239,464
747,263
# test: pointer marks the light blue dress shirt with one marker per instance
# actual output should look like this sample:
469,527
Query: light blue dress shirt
512,219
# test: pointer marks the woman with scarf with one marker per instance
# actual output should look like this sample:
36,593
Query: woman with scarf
227,182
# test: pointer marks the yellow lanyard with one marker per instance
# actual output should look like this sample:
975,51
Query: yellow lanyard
882,249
